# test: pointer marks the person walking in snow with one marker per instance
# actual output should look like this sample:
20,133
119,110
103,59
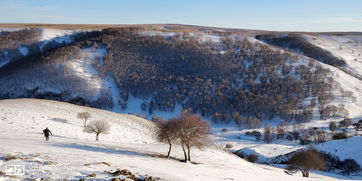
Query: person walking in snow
46,132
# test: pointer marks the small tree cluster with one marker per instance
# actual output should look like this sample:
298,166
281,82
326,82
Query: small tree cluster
257,135
350,166
347,166
268,137
339,136
281,131
345,123
358,125
247,122
305,161
96,127
332,126
188,130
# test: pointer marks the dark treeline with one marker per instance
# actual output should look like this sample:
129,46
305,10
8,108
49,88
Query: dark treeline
300,44
28,39
248,80
12,39
235,80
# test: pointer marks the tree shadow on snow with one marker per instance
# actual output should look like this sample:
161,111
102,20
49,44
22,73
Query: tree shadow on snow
60,120
163,156
338,176
100,149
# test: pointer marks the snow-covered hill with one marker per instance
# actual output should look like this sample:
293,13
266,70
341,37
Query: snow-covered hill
89,72
343,48
347,47
72,154
345,149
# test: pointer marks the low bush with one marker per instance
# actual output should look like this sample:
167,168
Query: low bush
339,136
350,166
252,158
228,146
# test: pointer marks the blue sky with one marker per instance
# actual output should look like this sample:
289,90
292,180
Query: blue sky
287,15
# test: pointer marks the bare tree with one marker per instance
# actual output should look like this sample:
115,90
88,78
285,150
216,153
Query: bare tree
267,133
332,126
321,136
280,132
257,135
167,134
345,123
191,131
305,161
97,127
84,116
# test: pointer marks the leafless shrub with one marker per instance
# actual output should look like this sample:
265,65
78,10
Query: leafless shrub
339,136
322,136
252,158
97,127
167,133
228,146
332,126
84,116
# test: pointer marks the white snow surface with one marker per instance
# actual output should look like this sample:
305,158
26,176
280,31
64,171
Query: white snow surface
49,34
10,29
158,33
348,83
134,107
347,47
248,144
83,67
57,35
24,50
344,149
73,154
116,97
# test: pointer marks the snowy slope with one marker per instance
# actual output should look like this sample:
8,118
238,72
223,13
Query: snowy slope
248,145
72,154
346,148
49,34
35,115
347,47
82,67
348,83
57,35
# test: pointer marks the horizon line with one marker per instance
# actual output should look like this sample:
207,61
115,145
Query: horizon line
160,24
